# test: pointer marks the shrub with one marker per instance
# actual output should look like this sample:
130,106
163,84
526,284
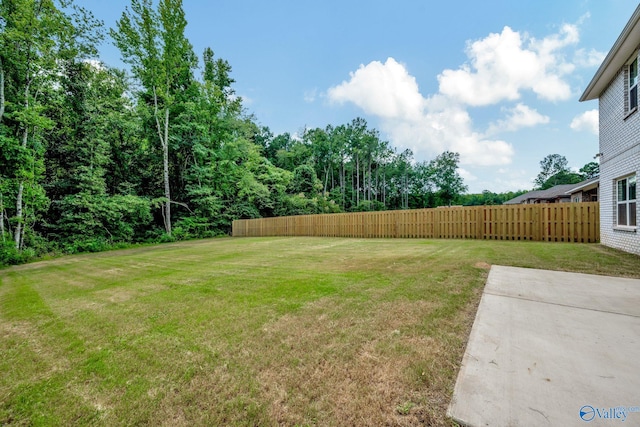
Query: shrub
9,255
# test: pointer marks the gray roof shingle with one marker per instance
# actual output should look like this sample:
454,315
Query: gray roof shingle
550,193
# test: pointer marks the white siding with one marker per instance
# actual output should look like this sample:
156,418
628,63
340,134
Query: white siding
620,148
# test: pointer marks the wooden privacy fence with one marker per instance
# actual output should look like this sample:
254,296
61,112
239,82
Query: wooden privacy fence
555,222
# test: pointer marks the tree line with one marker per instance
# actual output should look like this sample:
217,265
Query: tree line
93,157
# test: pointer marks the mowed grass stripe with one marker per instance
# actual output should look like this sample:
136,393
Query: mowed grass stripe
255,331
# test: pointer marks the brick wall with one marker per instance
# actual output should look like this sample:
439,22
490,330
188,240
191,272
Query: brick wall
620,148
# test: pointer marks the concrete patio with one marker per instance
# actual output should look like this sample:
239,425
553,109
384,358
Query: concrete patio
551,348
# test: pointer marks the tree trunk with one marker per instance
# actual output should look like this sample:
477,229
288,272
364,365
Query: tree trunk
19,215
406,192
1,91
377,184
357,180
25,135
369,188
19,229
2,217
384,189
326,179
164,142
167,190
333,178
342,181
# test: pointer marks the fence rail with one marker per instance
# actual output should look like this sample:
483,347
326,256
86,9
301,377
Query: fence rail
561,222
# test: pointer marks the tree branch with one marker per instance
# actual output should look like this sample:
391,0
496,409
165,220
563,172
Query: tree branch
184,205
156,116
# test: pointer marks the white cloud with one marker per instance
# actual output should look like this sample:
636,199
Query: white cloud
385,90
426,126
592,58
502,65
587,121
518,117
467,175
448,130
310,95
506,179
512,184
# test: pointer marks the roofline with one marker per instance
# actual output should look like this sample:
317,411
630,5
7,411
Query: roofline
621,49
588,183
539,195
552,197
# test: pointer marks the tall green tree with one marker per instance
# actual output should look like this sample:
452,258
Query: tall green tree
210,130
322,149
447,181
590,170
423,189
553,171
162,59
401,179
90,110
36,37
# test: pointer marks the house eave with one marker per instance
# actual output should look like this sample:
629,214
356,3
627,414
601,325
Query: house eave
622,49
587,187
589,184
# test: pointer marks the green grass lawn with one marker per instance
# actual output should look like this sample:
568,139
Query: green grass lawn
255,331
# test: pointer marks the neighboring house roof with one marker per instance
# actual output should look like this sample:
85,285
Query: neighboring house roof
554,192
621,51
559,191
589,184
522,198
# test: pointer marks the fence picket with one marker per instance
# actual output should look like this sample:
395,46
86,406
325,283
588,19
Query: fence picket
563,222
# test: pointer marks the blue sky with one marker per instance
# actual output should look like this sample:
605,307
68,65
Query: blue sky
496,81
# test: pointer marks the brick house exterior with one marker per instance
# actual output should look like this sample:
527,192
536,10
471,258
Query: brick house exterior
615,85
585,191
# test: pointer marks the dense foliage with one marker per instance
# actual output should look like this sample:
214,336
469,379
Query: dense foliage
554,170
92,157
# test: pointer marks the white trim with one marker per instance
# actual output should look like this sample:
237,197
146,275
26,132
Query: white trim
627,202
624,47
589,184
625,229
630,86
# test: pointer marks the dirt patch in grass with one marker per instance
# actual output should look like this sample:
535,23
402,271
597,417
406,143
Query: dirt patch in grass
330,364
482,265
117,295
